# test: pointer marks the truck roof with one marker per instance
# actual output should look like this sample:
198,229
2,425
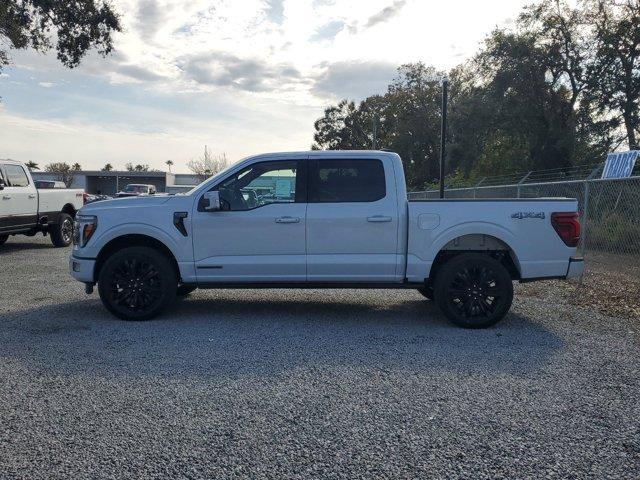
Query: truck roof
320,154
13,162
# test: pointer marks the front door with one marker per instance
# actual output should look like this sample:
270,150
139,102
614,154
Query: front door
352,221
259,235
18,200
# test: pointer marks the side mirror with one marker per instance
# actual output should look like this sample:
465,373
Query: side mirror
212,201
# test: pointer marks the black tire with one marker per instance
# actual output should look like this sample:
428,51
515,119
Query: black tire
137,283
427,292
474,290
62,232
3,239
184,290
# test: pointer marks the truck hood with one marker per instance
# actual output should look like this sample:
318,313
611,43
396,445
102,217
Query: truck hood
126,202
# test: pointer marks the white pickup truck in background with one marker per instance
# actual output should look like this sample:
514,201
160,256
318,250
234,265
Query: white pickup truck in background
322,219
26,210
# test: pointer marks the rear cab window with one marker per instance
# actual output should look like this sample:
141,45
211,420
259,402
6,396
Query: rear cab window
346,180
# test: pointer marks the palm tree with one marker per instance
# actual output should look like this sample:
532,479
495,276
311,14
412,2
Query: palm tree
107,168
169,163
32,166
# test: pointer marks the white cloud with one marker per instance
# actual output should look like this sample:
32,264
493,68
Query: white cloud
265,69
354,80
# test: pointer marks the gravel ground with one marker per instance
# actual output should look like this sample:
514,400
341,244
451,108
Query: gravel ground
307,384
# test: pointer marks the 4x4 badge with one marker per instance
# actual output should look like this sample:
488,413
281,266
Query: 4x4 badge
521,215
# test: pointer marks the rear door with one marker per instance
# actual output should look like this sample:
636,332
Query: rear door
352,220
18,199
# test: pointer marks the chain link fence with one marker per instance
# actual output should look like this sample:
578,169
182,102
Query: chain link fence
609,209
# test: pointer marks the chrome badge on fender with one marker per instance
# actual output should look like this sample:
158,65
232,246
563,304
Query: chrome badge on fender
521,215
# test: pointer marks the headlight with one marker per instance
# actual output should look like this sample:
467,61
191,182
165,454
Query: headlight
83,228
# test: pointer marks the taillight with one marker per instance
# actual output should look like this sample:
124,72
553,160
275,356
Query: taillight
567,226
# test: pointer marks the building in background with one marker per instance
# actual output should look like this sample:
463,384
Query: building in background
110,183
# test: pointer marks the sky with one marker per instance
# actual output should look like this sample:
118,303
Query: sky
243,76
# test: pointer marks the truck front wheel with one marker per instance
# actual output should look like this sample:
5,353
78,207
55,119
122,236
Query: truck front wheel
474,290
426,292
62,232
137,283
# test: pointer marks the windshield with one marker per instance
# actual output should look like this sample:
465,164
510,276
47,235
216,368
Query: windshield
221,173
136,189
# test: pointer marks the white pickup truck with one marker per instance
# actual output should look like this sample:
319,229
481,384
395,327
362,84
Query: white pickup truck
321,219
24,209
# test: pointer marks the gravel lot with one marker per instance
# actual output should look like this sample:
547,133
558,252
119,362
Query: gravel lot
307,384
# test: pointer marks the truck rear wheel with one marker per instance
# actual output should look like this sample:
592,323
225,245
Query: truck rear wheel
62,232
474,290
137,283
3,238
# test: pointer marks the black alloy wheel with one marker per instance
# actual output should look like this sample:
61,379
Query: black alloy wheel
137,283
474,290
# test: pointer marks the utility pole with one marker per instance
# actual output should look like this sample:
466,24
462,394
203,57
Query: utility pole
443,134
375,133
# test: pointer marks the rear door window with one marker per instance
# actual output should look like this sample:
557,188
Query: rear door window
16,176
334,181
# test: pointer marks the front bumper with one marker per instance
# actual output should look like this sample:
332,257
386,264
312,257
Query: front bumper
82,269
576,267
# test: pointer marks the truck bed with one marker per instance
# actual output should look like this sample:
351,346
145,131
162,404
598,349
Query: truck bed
51,200
523,226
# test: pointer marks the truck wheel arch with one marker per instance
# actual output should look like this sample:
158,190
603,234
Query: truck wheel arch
477,243
133,240
69,210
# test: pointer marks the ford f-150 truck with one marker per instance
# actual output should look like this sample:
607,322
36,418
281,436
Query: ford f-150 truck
24,209
321,219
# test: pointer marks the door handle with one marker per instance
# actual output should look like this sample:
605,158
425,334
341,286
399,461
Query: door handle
32,195
288,220
379,219
6,197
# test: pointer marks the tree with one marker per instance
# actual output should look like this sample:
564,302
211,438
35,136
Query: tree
169,163
76,167
615,71
141,168
76,27
208,164
341,128
107,168
531,98
32,166
64,171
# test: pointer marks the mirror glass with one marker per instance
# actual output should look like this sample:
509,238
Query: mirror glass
212,201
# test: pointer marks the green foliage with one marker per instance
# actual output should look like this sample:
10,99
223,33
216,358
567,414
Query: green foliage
64,172
77,26
611,231
136,168
107,168
532,98
32,166
614,79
